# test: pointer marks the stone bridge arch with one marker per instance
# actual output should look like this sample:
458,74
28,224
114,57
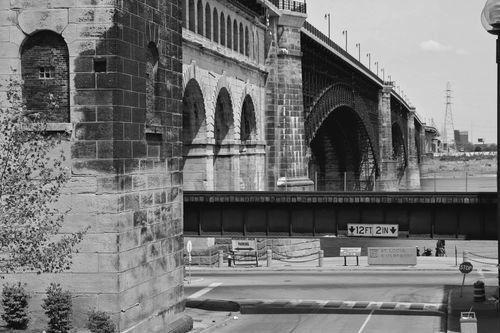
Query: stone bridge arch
342,139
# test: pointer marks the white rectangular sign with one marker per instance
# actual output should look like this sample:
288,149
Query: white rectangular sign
372,230
350,251
392,256
243,245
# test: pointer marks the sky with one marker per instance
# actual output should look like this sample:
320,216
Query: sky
424,44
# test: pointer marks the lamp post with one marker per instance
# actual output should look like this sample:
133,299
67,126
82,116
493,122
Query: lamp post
358,45
344,32
389,77
490,18
376,64
383,74
327,17
369,55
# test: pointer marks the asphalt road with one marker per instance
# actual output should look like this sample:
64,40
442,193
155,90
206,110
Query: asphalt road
332,323
375,286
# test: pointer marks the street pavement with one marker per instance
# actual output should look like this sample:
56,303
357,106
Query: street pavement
235,301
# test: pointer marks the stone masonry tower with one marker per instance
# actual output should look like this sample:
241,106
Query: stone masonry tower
287,163
115,70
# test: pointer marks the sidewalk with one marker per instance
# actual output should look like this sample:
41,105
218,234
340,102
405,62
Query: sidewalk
337,264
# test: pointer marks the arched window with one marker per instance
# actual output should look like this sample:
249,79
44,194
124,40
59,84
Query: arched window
192,16
208,22
247,42
242,46
222,30
248,128
229,35
200,17
45,72
235,35
184,14
152,58
216,26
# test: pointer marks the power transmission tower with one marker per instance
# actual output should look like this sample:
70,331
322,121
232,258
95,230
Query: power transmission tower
448,139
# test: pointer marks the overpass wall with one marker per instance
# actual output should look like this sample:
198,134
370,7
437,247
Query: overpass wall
231,160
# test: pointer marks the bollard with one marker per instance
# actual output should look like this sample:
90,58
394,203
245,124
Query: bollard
221,258
468,322
321,254
479,294
269,257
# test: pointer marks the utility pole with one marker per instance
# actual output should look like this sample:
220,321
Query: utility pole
449,129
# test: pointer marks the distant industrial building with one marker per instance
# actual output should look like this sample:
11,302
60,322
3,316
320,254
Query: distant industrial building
461,139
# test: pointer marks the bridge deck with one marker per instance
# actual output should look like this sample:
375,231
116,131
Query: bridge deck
312,214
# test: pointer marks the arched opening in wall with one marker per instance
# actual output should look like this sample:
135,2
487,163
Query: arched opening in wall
247,42
222,30
417,143
223,133
342,154
399,150
228,31
193,137
250,173
208,21
200,17
152,60
248,126
192,16
235,36
216,26
242,44
184,14
45,73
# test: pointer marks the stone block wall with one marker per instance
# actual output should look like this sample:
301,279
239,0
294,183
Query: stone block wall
126,179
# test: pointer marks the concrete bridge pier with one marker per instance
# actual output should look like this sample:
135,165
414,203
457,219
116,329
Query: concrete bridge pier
387,180
413,169
287,163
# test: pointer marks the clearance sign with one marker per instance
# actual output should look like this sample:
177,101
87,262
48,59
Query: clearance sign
372,230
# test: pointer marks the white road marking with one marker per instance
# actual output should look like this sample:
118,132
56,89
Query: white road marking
202,292
366,322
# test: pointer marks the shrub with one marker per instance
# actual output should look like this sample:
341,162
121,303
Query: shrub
57,306
100,322
15,306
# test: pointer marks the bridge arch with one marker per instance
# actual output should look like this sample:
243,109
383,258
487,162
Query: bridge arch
342,140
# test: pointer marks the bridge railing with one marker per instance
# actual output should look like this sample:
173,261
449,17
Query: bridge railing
294,6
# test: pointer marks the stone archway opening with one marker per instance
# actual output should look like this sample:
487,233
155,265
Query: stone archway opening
194,136
342,154
224,138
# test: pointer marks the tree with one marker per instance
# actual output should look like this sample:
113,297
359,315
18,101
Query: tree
30,185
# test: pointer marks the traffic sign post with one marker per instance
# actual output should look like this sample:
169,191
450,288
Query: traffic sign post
465,268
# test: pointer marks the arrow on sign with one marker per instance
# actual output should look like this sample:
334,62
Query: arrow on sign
351,229
393,230
243,249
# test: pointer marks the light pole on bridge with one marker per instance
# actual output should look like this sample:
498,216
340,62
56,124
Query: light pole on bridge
376,64
490,18
344,32
369,55
358,45
327,17
383,74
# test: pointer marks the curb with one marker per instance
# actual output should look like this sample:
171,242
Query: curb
316,306
317,269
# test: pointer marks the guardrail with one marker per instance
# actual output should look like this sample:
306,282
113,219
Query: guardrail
294,6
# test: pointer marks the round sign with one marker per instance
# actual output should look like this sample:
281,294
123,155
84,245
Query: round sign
465,267
189,246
